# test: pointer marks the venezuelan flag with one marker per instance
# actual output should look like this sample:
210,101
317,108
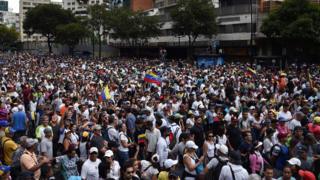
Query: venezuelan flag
250,72
105,94
152,77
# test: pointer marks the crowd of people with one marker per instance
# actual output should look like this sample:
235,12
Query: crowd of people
228,122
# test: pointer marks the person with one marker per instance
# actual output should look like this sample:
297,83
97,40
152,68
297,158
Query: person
83,146
67,140
256,159
149,170
69,163
125,143
46,146
15,166
29,161
170,167
307,175
287,174
5,172
213,168
128,172
191,161
152,137
234,169
97,139
268,173
197,133
90,168
209,147
9,146
19,122
162,145
44,124
295,164
109,168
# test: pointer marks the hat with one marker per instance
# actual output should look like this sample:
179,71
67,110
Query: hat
222,149
235,157
282,119
178,116
30,142
252,107
108,153
4,123
169,163
97,127
93,149
191,144
4,169
307,175
294,162
155,158
316,119
276,151
258,145
9,130
302,148
85,134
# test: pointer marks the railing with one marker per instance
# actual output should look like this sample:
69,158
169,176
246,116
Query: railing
238,9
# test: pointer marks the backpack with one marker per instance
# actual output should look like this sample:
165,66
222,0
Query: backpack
2,149
107,138
214,173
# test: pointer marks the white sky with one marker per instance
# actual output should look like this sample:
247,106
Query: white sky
14,4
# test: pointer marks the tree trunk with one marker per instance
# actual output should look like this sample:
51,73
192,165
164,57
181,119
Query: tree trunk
100,43
49,45
92,41
189,51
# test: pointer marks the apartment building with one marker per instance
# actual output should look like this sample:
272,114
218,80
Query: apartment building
26,5
10,19
80,7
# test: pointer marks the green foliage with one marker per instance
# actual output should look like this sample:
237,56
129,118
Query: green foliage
70,34
8,37
44,19
193,18
133,27
294,20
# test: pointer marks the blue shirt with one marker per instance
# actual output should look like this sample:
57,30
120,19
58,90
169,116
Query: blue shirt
209,115
19,121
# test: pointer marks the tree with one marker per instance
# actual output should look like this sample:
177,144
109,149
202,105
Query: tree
98,23
8,37
70,35
44,19
193,18
296,25
133,27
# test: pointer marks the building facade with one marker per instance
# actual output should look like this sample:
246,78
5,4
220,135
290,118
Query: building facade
10,19
141,5
80,7
26,5
3,5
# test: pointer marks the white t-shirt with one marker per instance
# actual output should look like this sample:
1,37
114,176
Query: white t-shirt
114,171
152,137
162,150
90,170
147,170
123,137
293,123
240,173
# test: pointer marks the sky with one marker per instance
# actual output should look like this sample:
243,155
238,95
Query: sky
14,5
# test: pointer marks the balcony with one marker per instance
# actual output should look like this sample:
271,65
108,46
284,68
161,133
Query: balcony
235,10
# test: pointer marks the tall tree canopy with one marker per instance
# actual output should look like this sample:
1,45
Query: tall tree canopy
193,18
296,23
8,36
44,19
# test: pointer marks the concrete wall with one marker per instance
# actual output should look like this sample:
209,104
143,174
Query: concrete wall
42,48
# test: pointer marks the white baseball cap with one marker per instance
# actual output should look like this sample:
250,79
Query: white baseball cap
169,163
222,149
294,161
93,149
108,153
191,144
